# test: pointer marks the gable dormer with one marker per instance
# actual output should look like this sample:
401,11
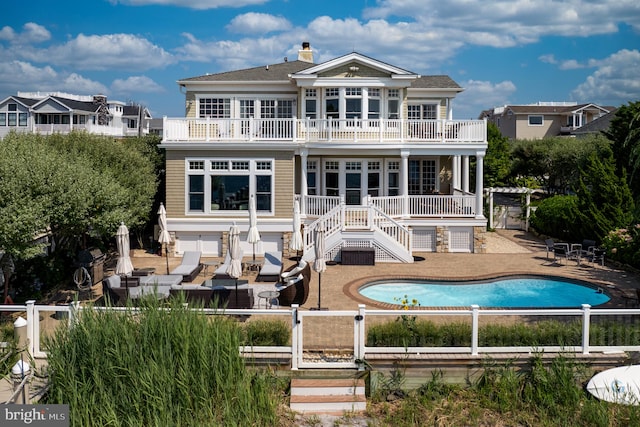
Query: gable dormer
354,69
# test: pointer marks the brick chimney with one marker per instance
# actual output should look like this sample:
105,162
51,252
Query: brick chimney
305,54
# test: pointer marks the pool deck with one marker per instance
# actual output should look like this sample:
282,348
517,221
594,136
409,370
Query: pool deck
508,252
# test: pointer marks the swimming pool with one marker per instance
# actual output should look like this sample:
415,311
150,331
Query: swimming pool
510,291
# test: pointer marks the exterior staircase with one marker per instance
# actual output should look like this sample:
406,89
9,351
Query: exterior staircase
328,395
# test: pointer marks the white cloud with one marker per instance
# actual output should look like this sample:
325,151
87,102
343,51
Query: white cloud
34,33
7,33
106,52
29,78
480,95
192,4
615,81
77,84
136,84
505,23
258,23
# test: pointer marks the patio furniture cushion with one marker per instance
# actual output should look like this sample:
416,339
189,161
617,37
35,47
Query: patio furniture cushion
272,267
190,266
161,280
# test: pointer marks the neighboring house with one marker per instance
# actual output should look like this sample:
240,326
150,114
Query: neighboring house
57,112
369,150
543,119
597,126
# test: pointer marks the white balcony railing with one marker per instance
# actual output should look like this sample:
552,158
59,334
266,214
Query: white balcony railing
434,206
329,130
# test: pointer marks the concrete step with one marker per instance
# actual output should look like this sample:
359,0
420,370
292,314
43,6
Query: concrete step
327,396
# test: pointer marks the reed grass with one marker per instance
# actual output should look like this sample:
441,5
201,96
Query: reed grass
158,367
425,333
538,395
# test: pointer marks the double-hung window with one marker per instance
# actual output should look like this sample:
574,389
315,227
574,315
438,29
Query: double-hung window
353,103
3,119
196,186
216,108
310,104
373,104
393,104
332,102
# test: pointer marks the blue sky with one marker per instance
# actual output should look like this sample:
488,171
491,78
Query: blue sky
501,52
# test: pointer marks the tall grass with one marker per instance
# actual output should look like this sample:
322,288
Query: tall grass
158,367
538,395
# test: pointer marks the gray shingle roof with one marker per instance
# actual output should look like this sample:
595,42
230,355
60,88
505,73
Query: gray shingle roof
273,72
77,105
281,72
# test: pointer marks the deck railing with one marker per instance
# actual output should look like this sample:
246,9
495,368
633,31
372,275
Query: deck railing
360,319
437,206
323,130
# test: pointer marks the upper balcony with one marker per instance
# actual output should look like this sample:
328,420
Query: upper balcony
323,130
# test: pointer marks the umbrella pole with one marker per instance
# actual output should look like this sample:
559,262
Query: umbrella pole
236,292
319,307
166,255
254,251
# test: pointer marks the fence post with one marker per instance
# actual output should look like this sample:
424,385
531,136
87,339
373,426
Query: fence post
31,325
475,317
19,372
361,338
295,346
20,332
586,319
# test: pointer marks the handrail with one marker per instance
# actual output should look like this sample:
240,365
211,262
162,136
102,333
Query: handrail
328,130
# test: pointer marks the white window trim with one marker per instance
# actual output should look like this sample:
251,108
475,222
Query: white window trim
208,172
535,115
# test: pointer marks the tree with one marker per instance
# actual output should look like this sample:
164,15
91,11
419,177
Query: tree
604,199
624,132
497,161
75,187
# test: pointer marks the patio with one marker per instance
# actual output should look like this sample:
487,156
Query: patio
508,252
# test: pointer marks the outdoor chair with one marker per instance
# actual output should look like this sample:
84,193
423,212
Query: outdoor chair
294,287
561,251
550,244
597,256
272,267
190,266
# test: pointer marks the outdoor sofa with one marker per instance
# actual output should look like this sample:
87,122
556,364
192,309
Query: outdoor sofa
120,290
224,296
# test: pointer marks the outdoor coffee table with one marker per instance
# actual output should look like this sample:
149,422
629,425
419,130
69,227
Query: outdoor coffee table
208,264
268,297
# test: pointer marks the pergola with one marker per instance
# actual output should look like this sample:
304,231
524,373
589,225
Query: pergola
511,190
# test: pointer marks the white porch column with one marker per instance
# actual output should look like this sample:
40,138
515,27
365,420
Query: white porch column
404,188
465,174
491,209
71,121
479,184
455,173
303,182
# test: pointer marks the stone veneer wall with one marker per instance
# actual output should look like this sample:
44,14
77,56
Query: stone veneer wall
479,240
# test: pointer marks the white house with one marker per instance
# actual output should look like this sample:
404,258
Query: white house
371,151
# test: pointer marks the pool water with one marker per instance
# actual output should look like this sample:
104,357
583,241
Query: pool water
520,292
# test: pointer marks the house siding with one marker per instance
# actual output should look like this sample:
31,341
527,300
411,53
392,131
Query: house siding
175,184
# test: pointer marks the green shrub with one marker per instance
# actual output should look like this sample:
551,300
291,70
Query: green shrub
556,216
266,333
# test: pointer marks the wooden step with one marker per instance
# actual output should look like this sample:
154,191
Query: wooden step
327,396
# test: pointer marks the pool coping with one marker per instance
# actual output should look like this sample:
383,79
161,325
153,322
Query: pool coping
618,298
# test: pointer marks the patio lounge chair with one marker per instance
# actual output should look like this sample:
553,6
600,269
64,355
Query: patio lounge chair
190,266
272,267
221,272
549,243
294,287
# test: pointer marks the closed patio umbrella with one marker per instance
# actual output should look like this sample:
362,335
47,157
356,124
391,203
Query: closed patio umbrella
235,252
253,236
319,264
124,265
296,243
164,238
